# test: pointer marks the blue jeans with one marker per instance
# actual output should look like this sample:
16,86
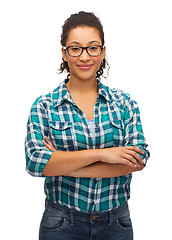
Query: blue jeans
61,223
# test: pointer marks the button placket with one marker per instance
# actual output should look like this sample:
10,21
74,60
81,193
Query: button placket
96,122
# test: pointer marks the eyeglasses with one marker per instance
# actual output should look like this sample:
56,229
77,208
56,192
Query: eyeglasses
76,51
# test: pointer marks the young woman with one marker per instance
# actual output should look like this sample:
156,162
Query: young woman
86,139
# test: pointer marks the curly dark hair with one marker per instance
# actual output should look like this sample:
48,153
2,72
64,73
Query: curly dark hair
82,19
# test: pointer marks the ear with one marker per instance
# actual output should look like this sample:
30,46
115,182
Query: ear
64,55
103,52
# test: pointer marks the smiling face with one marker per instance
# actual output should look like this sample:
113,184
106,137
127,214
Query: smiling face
85,66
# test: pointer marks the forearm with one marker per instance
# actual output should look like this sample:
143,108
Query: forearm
104,170
103,163
63,163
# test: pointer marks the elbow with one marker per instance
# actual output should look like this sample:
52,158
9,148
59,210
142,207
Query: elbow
36,160
33,168
33,173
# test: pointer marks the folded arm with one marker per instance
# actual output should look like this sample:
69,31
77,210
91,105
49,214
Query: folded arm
114,162
105,170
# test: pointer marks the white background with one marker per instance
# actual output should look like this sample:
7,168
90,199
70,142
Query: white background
138,37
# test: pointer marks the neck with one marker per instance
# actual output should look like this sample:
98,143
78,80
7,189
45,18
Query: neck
82,86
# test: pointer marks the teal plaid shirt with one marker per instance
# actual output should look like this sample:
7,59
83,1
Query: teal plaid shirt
116,123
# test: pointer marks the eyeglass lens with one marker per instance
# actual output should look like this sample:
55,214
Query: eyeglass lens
91,50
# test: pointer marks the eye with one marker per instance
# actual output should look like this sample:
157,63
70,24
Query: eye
75,49
93,48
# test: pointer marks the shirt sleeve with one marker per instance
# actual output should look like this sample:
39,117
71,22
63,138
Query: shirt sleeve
134,135
36,154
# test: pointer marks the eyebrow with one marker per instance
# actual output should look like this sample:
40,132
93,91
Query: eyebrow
74,42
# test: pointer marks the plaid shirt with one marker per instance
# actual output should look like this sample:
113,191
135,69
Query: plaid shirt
116,123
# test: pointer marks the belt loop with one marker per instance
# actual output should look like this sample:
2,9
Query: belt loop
71,218
110,218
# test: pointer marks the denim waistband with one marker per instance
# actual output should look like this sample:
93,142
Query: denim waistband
72,214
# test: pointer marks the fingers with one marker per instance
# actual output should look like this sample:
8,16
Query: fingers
131,160
136,149
129,163
48,141
131,156
135,155
48,144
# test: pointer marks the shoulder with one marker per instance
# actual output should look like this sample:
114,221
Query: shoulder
121,98
48,99
125,103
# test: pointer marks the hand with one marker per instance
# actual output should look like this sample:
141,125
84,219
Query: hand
126,155
48,144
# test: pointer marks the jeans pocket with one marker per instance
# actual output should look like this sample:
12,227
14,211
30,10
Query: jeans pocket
124,221
52,218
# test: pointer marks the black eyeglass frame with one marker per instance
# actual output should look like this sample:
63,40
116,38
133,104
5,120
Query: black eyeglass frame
84,48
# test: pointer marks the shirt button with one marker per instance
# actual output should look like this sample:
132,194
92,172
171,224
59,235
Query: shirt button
96,111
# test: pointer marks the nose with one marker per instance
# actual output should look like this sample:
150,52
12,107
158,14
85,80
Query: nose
84,56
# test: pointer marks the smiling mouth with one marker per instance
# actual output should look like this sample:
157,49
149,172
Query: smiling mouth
84,66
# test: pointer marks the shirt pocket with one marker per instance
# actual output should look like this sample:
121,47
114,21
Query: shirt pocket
118,132
61,135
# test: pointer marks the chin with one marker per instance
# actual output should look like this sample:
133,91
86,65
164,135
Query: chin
85,76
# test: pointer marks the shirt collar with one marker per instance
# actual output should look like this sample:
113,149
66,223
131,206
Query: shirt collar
61,93
103,90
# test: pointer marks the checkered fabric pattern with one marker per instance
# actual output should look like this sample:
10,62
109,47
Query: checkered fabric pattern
116,123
